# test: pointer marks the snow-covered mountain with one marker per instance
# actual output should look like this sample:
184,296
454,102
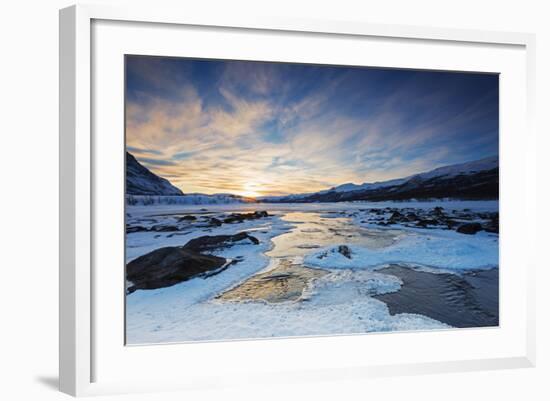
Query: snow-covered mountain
355,187
472,180
141,181
146,188
486,164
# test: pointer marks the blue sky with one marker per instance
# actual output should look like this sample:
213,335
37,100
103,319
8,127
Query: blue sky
258,128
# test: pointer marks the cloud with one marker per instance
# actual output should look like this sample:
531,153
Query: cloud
182,155
134,150
156,162
281,129
253,78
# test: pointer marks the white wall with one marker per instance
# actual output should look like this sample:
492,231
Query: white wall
28,164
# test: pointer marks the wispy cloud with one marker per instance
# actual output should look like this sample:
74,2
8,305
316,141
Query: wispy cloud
143,151
156,162
261,128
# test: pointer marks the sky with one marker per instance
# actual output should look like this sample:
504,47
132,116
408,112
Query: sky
259,128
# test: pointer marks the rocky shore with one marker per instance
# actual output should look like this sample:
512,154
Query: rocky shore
179,222
168,266
464,221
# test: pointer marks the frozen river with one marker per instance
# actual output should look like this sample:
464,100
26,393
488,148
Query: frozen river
320,269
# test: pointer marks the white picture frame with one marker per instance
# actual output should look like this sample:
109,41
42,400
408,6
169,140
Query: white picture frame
81,347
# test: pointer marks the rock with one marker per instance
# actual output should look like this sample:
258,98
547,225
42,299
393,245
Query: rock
450,223
187,217
162,228
493,225
426,222
438,211
232,219
345,251
396,216
215,222
167,266
212,242
240,217
469,228
411,217
135,229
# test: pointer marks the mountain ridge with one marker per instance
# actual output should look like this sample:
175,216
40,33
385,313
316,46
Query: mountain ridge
142,181
470,180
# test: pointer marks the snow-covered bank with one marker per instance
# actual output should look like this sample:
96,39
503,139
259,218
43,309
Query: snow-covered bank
140,243
141,209
339,302
438,249
187,199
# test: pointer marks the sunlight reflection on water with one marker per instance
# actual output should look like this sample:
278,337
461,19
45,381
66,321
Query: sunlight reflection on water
312,230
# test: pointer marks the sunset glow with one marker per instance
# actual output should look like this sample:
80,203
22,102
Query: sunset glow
255,129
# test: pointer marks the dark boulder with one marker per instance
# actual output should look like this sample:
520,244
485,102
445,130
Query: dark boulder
215,222
345,251
396,216
213,242
187,217
426,222
450,223
492,226
240,217
438,211
469,228
165,267
135,229
164,228
232,219
422,223
411,217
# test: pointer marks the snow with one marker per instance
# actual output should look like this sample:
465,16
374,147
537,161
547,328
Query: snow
333,307
140,180
141,209
488,163
375,185
141,243
435,249
188,199
340,302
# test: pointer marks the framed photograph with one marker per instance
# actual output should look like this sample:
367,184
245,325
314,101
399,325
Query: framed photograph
287,199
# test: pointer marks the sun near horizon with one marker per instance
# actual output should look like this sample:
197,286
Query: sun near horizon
261,129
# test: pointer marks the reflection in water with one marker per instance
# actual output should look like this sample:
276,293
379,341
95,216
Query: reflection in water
286,277
313,231
286,282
